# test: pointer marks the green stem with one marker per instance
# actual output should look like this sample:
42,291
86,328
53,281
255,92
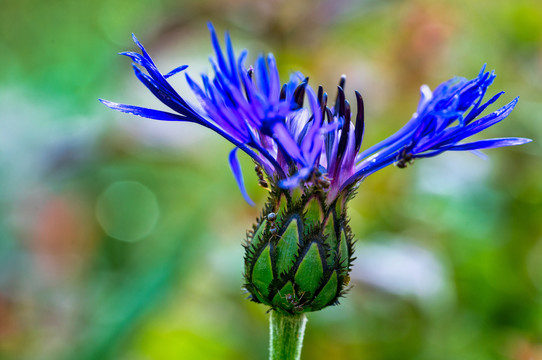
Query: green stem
286,335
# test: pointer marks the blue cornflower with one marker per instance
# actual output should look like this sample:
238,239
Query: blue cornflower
300,250
314,145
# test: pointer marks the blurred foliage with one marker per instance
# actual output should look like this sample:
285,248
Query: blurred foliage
120,237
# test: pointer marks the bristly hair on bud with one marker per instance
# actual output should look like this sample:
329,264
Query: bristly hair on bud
307,154
299,252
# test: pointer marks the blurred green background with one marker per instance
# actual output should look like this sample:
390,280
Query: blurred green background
120,236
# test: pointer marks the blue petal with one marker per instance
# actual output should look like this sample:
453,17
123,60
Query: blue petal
487,144
145,112
140,46
167,96
218,50
262,76
236,169
478,110
176,70
274,81
482,123
146,61
231,58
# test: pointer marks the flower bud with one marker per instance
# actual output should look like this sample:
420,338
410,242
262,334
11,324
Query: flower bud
299,252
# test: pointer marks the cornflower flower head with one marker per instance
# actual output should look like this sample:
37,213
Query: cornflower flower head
299,252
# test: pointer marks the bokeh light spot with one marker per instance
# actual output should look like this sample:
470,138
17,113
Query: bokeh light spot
127,210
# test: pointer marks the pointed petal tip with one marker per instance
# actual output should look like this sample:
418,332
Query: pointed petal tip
521,141
512,104
508,142
236,170
487,144
107,103
212,31
485,73
242,56
136,41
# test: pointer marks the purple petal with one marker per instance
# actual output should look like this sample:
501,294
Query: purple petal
285,140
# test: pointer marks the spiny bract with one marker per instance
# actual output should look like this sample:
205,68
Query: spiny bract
300,251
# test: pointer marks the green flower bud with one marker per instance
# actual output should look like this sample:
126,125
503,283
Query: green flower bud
299,253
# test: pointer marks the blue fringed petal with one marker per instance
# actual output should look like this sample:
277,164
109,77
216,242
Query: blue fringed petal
487,144
176,71
296,137
145,112
443,118
236,170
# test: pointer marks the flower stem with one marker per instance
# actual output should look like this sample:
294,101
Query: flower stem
286,335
